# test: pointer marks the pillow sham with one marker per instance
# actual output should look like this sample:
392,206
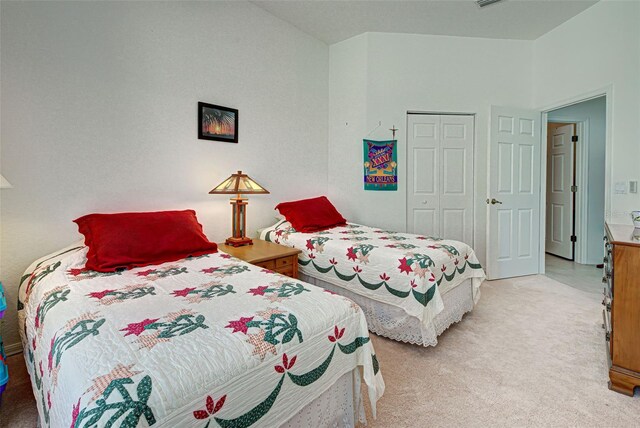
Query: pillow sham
127,240
311,215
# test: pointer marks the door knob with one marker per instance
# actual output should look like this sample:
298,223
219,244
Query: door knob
493,201
424,202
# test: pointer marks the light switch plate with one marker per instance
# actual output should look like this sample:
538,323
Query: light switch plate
620,187
633,186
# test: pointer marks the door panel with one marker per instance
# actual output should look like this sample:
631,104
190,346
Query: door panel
454,172
525,237
559,219
505,226
514,177
527,168
505,168
424,167
425,219
454,224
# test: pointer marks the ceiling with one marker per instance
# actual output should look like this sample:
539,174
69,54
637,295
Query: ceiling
337,20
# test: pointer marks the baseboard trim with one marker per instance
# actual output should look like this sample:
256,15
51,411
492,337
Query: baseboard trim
13,349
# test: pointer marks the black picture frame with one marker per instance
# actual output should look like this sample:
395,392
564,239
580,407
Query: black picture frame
223,119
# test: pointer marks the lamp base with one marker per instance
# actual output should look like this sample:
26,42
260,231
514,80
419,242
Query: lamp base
238,242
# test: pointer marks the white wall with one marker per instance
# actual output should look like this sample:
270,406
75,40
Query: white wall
418,73
594,112
347,122
99,113
596,49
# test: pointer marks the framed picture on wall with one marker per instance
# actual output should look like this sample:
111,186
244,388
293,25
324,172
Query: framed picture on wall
217,123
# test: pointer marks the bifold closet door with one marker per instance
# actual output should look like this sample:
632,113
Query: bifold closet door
440,176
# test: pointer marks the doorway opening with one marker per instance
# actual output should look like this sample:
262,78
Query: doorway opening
575,193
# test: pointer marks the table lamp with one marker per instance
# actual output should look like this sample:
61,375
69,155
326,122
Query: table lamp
239,184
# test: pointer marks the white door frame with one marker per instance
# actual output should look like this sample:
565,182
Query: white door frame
606,91
582,165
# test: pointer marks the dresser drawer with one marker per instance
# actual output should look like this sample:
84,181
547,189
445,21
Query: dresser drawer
269,264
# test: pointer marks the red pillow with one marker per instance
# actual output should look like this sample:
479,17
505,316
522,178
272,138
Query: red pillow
311,215
127,240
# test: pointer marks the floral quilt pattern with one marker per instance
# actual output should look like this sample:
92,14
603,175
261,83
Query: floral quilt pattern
201,342
401,269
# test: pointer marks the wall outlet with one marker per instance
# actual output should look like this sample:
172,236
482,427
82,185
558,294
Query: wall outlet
633,186
620,187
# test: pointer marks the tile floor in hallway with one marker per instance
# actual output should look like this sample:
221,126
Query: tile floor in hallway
583,277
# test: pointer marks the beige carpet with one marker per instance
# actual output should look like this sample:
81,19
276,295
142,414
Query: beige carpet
530,354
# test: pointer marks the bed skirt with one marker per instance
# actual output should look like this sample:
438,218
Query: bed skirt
335,408
394,323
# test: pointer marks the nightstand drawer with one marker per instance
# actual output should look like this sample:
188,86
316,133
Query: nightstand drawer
285,261
269,264
287,270
267,255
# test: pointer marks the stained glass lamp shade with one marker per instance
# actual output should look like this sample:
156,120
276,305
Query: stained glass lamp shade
239,184
4,184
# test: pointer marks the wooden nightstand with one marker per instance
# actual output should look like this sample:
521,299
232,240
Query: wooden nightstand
268,255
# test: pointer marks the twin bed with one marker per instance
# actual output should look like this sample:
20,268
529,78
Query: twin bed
410,287
209,340
203,341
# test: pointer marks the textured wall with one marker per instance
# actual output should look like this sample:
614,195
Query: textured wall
99,103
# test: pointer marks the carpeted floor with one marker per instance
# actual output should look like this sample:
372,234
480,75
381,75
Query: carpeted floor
530,354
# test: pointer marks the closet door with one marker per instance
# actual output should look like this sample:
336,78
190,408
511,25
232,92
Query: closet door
440,176
423,175
456,178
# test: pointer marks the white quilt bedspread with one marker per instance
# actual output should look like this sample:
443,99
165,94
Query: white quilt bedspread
201,342
401,269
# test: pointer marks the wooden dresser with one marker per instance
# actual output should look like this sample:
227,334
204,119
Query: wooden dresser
622,307
268,255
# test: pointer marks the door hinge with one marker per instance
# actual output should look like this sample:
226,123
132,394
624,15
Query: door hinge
574,138
574,188
574,238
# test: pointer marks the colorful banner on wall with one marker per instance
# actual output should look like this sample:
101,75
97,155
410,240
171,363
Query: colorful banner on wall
380,165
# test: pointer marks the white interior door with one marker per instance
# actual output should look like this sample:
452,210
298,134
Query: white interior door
423,172
559,218
440,171
514,193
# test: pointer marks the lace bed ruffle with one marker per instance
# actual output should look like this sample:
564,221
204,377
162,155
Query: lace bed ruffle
394,323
